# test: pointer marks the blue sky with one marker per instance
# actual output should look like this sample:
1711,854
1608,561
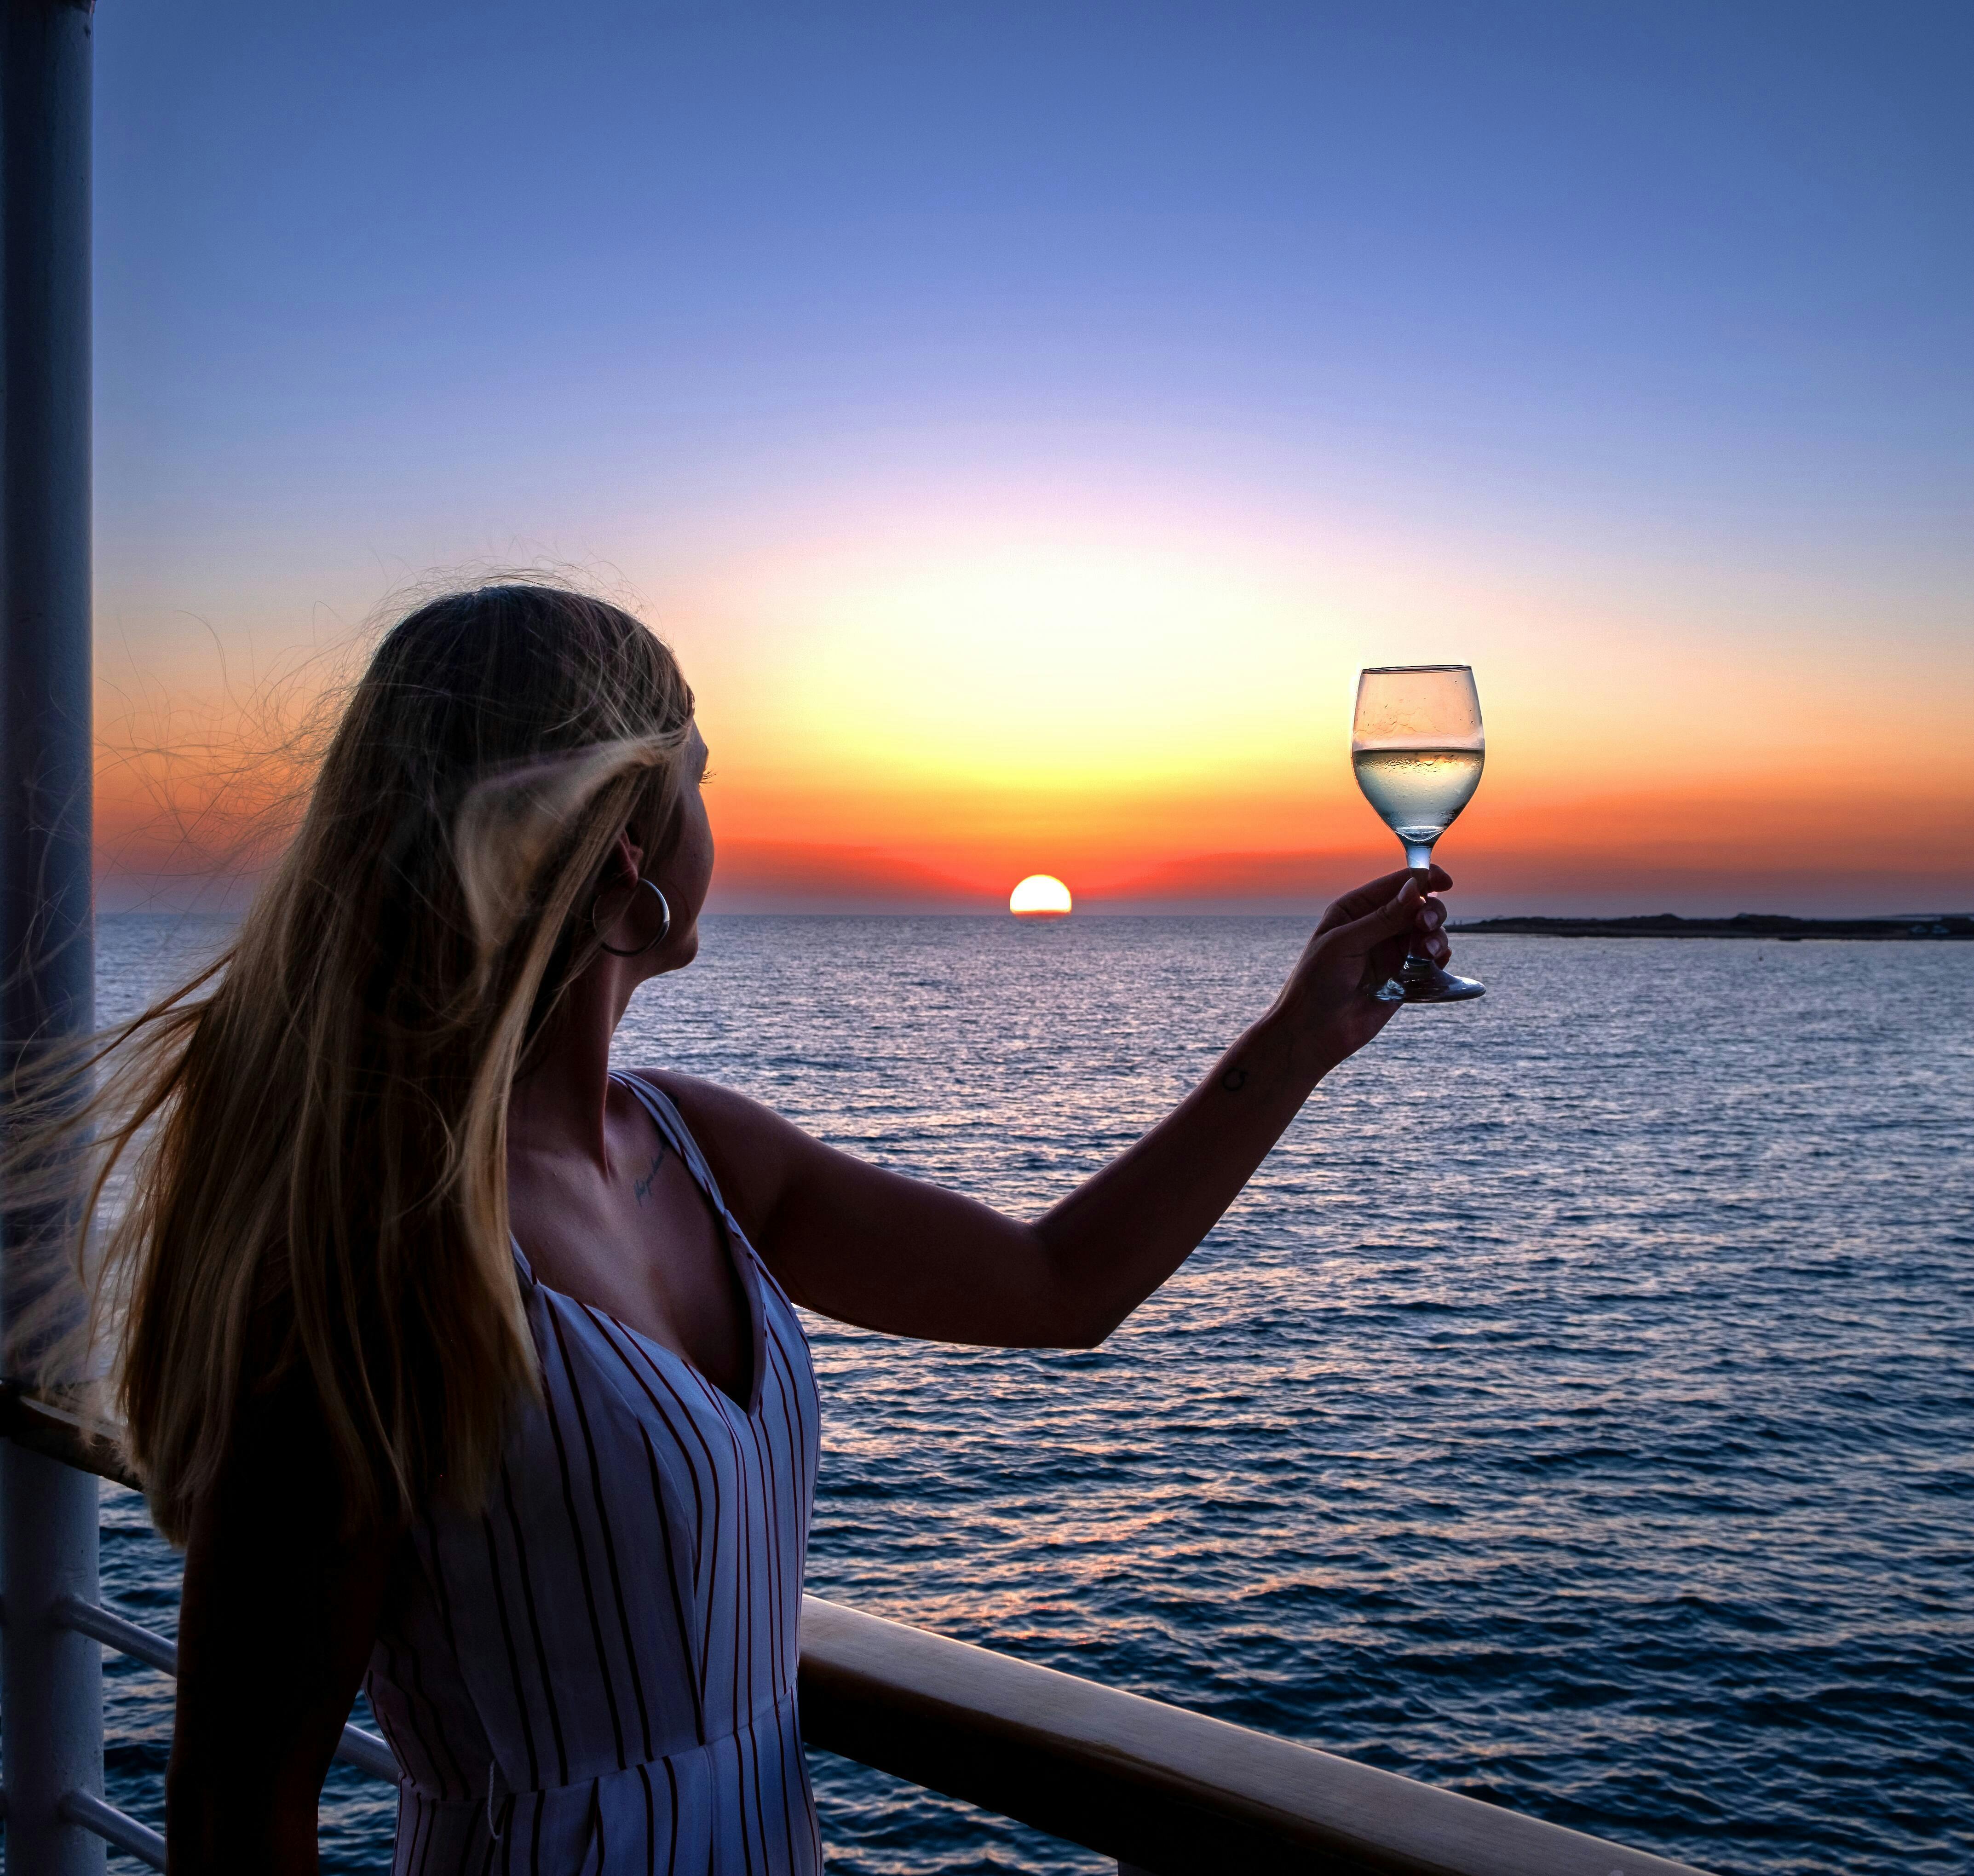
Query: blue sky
1714,258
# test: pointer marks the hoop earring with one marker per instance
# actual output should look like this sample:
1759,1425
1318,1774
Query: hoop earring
649,944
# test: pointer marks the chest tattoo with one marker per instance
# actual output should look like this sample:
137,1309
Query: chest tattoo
643,1187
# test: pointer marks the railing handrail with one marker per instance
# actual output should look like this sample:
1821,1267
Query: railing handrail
1151,1784
1162,1789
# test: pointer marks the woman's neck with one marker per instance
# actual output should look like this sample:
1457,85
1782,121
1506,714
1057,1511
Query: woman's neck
559,1104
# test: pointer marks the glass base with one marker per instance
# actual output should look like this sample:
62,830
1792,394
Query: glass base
1421,981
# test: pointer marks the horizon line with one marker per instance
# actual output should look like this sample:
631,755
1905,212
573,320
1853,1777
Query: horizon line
1202,909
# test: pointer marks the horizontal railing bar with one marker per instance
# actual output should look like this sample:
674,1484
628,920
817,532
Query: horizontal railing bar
368,1754
1169,1791
92,1618
115,1827
364,1751
1162,1790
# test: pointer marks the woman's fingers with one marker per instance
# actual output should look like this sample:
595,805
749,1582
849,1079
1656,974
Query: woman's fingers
1385,919
1406,921
1428,936
1363,901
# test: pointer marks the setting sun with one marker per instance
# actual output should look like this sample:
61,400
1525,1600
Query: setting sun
1041,895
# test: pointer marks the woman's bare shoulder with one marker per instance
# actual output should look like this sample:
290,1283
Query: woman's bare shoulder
721,1107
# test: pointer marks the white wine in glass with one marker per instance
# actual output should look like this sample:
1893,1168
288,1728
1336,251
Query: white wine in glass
1417,746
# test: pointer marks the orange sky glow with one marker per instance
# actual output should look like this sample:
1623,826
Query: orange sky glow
1161,719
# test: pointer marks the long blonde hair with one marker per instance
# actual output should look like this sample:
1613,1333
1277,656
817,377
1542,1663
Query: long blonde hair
311,1136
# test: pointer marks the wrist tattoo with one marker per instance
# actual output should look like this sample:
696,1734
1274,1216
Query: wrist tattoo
1235,1080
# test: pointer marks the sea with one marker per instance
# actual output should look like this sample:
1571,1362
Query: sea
1576,1411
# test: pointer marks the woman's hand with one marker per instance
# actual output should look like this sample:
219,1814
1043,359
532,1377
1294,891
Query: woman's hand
1331,998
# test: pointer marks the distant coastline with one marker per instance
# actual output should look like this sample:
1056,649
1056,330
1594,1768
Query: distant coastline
1743,925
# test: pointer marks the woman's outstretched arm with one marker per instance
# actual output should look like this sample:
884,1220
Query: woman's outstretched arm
867,1246
275,1629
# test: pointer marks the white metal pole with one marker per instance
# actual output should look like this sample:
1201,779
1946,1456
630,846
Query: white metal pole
51,1676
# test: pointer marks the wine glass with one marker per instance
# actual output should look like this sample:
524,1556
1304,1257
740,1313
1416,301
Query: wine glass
1417,746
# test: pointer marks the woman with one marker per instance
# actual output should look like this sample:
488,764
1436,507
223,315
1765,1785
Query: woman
457,1360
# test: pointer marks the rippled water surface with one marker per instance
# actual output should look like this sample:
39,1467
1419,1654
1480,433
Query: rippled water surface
1578,1410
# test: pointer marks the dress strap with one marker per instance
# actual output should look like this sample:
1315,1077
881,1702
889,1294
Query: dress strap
746,1264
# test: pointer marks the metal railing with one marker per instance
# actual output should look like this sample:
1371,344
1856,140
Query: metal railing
1165,1792
365,1750
50,1678
49,1435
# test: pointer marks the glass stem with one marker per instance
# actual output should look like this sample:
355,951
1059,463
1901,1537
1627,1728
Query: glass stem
1417,968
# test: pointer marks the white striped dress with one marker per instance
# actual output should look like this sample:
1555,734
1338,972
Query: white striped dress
599,1673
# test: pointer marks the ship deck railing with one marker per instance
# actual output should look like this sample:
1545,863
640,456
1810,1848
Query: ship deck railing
1165,1792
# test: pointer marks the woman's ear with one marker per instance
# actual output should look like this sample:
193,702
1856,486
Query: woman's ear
627,857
